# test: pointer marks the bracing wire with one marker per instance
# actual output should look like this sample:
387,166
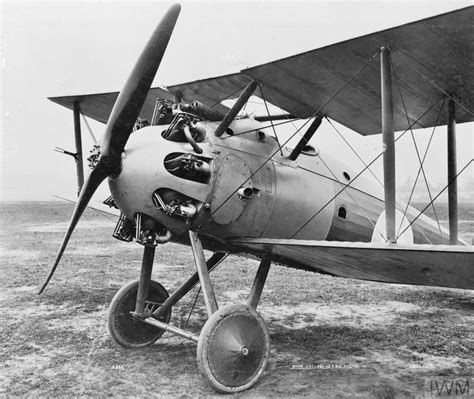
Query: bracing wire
441,192
353,150
358,175
97,211
262,128
228,96
430,81
370,170
295,133
419,169
268,113
193,306
87,125
314,114
350,195
416,150
199,290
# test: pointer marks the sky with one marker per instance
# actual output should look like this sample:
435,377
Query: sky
78,47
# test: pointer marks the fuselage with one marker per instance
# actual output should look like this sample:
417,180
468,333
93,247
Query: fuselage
243,185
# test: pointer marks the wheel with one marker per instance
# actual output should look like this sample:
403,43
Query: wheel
233,348
127,330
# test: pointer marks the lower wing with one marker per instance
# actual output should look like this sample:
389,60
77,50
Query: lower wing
434,265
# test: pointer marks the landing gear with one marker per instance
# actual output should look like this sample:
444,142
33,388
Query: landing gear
128,330
234,344
233,348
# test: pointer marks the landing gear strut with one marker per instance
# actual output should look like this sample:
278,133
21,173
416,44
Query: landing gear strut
234,345
138,299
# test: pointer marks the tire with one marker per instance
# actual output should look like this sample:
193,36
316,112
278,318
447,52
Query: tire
127,330
233,348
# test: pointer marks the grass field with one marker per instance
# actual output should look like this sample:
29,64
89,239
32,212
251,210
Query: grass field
330,337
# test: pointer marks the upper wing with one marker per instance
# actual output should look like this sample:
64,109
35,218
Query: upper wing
430,58
214,90
98,106
436,265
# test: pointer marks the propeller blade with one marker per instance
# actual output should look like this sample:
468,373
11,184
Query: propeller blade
120,124
96,177
133,95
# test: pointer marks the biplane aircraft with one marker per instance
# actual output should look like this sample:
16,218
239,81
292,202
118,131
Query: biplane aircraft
183,167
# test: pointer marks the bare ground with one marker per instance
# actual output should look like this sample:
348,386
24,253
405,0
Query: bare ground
330,337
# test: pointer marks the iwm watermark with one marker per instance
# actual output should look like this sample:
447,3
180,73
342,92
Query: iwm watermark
445,387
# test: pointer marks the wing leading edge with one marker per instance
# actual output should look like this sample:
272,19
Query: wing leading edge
440,265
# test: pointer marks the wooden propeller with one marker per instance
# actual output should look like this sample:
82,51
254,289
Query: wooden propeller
122,118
